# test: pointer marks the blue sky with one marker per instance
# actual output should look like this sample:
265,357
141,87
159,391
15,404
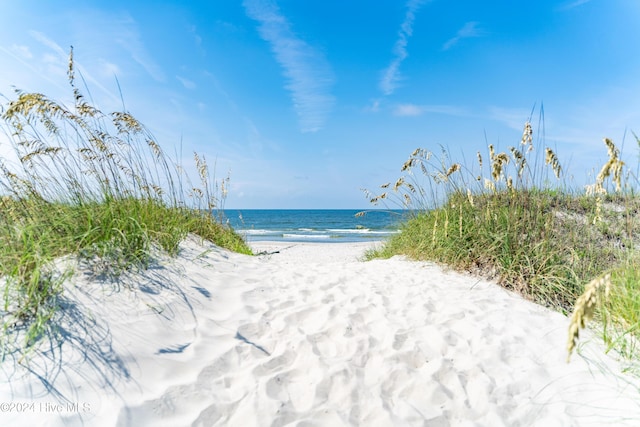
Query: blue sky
307,102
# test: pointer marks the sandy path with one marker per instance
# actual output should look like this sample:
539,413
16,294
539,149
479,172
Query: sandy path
308,335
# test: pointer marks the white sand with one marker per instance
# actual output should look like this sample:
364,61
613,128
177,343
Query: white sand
310,336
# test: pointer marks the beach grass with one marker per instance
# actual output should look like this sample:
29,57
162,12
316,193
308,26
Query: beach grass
511,216
95,186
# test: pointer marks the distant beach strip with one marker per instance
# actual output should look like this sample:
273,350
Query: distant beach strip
318,225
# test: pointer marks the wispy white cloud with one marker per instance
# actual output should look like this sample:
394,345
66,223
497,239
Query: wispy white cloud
108,69
390,76
469,30
57,62
514,118
572,4
373,107
188,84
128,37
23,51
46,41
28,64
309,76
409,110
196,37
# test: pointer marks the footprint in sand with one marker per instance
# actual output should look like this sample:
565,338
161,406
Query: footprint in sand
304,295
308,320
256,297
359,301
414,358
283,305
361,355
348,332
332,284
399,339
385,302
227,362
328,299
392,383
334,390
451,338
356,320
257,335
278,363
323,345
440,396
449,378
479,388
253,330
294,386
215,413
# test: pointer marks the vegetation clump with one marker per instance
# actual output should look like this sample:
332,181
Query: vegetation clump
93,185
512,219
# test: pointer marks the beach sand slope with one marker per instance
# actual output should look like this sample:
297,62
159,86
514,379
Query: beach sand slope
308,335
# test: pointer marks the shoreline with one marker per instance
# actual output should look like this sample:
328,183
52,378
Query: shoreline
310,334
314,251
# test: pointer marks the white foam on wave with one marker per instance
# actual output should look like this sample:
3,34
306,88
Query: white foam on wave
350,230
258,232
305,236
360,231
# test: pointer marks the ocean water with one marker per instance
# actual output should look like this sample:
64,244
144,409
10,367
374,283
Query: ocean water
321,225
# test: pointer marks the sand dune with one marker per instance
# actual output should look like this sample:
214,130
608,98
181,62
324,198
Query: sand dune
308,335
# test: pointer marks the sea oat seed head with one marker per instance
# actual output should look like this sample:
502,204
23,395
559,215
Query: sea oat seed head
598,215
433,232
489,185
552,159
527,134
589,189
585,307
503,158
398,183
408,164
453,169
